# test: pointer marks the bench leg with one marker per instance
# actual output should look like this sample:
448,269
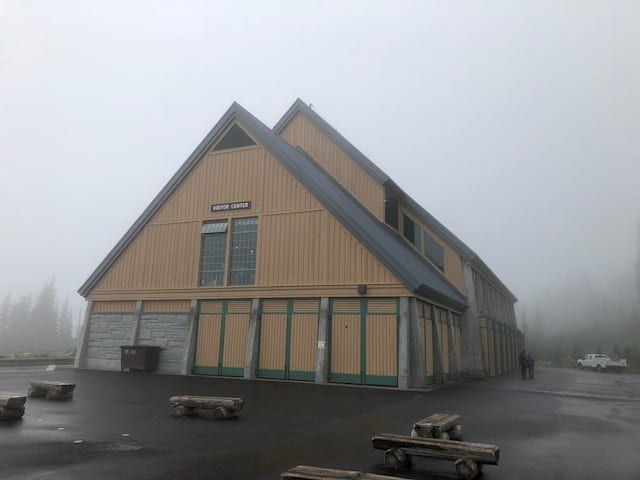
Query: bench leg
467,469
397,459
37,392
182,411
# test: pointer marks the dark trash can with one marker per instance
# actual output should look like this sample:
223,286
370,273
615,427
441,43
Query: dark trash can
142,358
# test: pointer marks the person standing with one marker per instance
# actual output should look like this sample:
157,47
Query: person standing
522,359
531,362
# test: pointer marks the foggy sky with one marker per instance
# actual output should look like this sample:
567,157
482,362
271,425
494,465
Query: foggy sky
515,123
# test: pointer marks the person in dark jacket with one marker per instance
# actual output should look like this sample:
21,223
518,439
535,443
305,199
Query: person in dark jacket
531,362
522,359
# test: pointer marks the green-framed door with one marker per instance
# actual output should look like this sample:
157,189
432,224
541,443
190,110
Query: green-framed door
364,341
223,327
288,339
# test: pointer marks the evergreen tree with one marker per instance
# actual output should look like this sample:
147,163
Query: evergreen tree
638,260
44,318
4,314
64,326
19,334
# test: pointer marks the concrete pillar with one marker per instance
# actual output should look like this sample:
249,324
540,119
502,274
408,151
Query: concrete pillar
403,344
472,363
322,352
81,351
190,342
417,366
438,363
135,330
454,370
253,341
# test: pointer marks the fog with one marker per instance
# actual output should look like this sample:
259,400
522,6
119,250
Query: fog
514,123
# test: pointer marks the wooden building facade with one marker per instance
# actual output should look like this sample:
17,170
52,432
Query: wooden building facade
286,253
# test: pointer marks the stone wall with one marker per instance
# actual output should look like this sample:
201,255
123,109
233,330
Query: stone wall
168,331
108,331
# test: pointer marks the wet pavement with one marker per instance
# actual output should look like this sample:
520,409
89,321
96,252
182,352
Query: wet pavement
564,424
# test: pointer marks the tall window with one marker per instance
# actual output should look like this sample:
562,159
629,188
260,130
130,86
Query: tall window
412,232
244,237
214,249
390,210
434,251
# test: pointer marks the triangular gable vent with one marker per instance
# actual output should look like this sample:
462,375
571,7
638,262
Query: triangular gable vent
236,137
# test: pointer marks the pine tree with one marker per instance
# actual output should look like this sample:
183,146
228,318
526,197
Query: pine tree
64,326
19,333
44,318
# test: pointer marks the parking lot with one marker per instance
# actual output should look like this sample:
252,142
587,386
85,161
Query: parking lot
564,424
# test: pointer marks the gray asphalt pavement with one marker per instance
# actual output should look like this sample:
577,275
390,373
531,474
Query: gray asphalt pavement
564,424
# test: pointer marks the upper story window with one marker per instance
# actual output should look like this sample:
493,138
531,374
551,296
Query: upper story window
434,251
244,238
390,210
242,246
412,231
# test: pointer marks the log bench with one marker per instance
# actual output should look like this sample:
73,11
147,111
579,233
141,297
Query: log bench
468,457
206,406
52,390
304,472
439,425
12,406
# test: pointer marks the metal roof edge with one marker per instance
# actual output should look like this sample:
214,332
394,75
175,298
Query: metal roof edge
159,200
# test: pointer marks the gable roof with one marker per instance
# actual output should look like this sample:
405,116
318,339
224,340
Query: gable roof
385,243
465,252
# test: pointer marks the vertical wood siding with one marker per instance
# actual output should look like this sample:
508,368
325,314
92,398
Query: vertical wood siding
304,340
382,345
313,249
345,344
300,131
166,306
428,346
208,343
273,330
114,307
452,262
299,243
235,340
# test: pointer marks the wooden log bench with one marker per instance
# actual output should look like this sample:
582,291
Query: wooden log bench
468,457
304,472
206,406
439,425
52,390
12,406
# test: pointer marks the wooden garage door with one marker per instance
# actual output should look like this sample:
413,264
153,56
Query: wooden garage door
223,326
288,339
364,341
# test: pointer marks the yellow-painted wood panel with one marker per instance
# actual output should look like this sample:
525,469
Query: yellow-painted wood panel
300,131
304,340
382,345
345,344
274,306
273,333
211,306
444,338
239,306
312,305
166,306
458,334
313,248
235,340
491,351
208,343
452,261
114,307
160,257
382,305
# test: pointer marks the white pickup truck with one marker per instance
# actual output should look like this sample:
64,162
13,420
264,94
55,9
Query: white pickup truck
601,362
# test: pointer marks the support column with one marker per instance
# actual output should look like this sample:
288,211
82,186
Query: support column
83,341
403,344
417,366
322,352
472,363
253,341
438,364
454,370
190,342
135,330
